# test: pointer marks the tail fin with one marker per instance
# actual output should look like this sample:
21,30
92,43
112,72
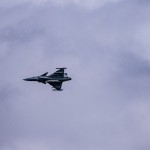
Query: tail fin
62,68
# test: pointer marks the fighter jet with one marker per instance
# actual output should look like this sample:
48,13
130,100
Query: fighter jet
55,80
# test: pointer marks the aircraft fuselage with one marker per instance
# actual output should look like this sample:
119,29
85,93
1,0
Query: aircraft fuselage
47,79
55,80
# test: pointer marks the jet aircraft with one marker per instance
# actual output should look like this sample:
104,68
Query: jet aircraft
55,80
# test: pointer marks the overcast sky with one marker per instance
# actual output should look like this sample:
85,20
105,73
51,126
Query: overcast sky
105,44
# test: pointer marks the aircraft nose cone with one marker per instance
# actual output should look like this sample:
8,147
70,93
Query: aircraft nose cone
31,79
26,79
70,78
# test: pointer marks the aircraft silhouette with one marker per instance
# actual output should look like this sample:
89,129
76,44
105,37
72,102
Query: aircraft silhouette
55,80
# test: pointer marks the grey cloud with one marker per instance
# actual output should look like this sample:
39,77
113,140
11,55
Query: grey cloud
83,4
106,104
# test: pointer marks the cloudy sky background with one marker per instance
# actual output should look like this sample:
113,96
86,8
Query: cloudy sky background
105,44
